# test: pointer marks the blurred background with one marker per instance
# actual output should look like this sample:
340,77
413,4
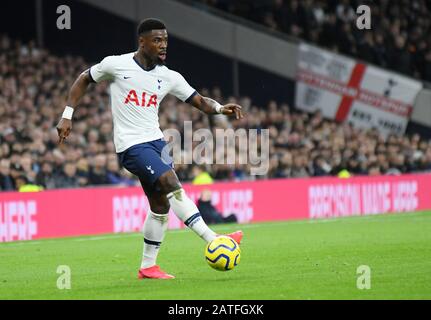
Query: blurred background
249,52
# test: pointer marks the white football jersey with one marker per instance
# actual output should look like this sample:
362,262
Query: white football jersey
135,97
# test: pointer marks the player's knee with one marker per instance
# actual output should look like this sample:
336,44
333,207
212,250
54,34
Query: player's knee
160,208
159,204
169,183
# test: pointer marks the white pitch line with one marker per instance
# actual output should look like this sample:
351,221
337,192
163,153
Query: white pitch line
32,242
377,218
108,237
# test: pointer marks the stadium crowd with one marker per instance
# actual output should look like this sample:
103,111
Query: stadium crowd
400,38
33,91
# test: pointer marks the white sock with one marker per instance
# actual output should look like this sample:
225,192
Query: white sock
155,226
186,211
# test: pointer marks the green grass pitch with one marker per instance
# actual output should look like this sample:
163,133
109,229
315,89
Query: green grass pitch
283,260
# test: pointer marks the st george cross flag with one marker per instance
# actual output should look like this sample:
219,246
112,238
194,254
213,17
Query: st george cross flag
346,90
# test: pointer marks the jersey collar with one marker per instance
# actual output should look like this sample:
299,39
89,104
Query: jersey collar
139,64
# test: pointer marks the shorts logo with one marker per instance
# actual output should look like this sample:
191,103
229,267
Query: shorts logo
149,169
132,97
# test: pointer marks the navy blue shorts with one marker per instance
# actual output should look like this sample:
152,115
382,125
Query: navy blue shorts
147,161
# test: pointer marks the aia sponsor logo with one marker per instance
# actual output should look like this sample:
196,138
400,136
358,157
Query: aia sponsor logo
141,100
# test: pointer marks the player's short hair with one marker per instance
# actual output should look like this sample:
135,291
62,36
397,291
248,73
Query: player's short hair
150,24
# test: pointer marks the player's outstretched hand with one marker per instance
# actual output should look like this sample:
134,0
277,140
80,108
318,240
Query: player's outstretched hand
232,109
64,127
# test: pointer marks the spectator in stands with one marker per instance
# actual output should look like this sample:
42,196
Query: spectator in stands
321,167
381,52
68,178
374,169
83,171
97,173
29,169
209,212
24,185
7,183
46,176
116,176
366,48
201,176
299,166
399,58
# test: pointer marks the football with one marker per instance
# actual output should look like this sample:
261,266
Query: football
223,253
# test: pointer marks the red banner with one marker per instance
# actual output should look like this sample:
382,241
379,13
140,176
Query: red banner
59,213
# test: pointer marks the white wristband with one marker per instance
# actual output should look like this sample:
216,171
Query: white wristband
218,107
67,113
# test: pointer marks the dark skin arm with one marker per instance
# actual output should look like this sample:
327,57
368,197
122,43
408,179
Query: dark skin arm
76,92
207,106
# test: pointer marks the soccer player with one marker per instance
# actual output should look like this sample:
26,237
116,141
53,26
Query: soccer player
138,82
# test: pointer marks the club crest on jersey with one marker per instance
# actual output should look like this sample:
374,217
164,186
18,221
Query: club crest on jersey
132,97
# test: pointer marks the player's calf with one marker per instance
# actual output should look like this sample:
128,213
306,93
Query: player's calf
188,212
154,229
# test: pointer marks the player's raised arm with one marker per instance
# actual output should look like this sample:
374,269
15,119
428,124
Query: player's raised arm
183,91
76,92
210,106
